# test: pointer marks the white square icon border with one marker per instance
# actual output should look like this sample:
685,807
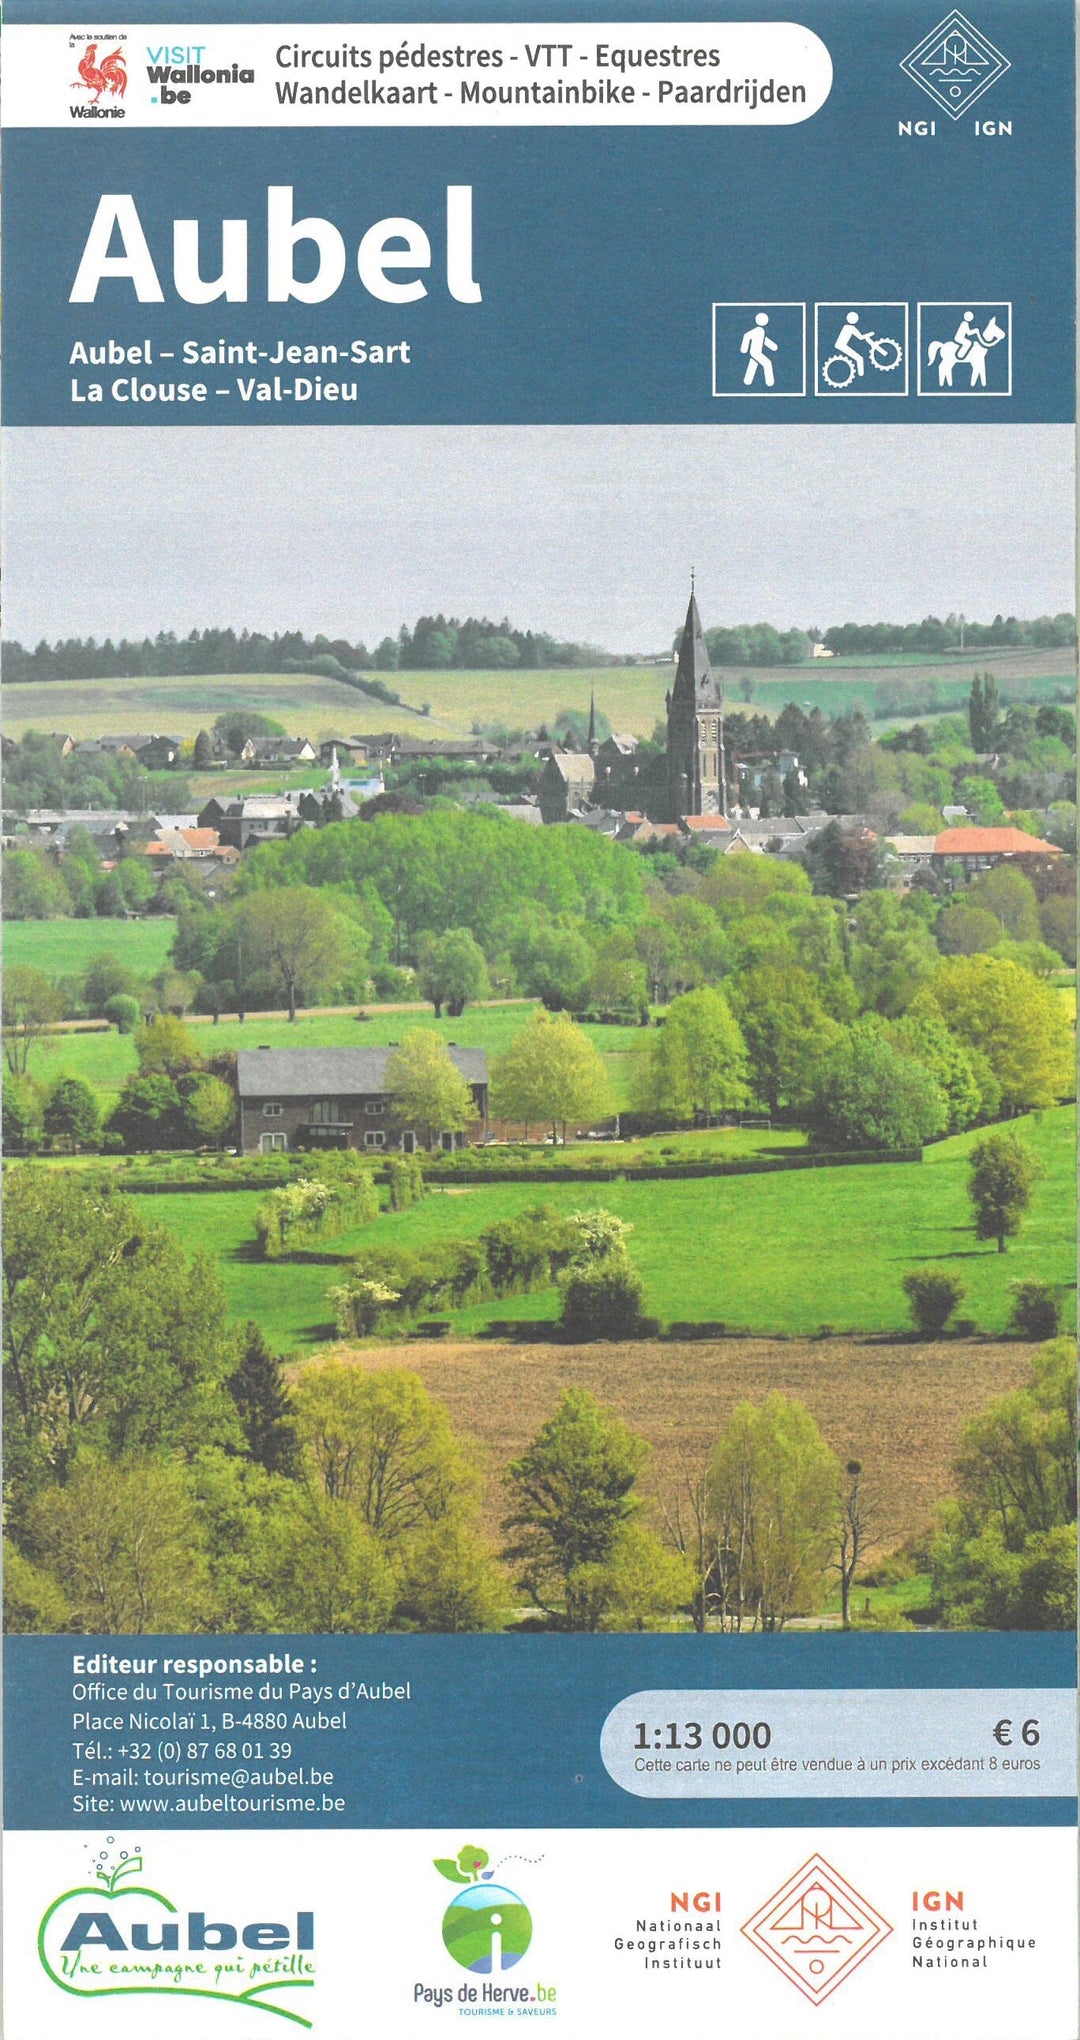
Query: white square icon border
757,305
878,396
976,304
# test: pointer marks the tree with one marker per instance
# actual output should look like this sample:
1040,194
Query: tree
123,1011
72,1114
1013,1018
295,934
34,890
856,1522
166,1046
556,966
453,1584
31,1003
23,1108
1036,1310
892,953
382,1444
1006,1554
572,1490
328,1573
430,1090
641,1585
933,1295
959,1073
109,1335
550,1072
696,1064
209,1109
452,971
982,800
148,1115
203,754
786,1029
964,930
843,861
983,713
1003,1173
603,1301
1010,897
123,1542
869,1095
774,1489
1057,921
263,1403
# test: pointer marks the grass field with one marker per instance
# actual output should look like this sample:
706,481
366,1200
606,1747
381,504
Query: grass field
632,697
780,1254
106,1060
65,948
898,1409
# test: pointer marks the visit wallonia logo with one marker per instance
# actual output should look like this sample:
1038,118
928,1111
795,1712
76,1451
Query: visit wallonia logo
114,1936
486,1927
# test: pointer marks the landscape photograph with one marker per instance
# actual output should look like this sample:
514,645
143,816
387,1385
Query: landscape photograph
539,1012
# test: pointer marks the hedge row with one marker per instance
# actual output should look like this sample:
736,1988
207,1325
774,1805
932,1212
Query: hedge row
491,1168
305,1213
390,1285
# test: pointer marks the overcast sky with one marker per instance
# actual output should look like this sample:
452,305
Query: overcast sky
586,531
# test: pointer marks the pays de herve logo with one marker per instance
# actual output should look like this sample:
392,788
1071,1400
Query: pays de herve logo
486,1927
817,1929
117,1937
955,64
102,73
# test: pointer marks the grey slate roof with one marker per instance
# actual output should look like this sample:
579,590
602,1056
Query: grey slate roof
332,1072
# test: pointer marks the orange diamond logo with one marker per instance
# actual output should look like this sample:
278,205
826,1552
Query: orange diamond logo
817,1929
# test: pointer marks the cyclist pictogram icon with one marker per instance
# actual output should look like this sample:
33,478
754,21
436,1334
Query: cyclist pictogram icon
864,359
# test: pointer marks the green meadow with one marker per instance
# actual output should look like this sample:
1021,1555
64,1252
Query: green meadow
777,1254
632,697
65,948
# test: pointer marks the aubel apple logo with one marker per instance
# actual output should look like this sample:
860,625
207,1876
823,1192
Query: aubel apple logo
117,1937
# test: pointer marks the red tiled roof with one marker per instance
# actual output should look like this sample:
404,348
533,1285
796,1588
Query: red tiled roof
705,822
199,839
985,842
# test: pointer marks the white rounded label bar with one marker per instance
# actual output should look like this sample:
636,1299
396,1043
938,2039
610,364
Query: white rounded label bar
428,74
936,1743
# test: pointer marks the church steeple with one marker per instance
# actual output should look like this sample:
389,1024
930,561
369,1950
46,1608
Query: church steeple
593,745
695,727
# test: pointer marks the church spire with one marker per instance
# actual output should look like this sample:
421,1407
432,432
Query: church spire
592,746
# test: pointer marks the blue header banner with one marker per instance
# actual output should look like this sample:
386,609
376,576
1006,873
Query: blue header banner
873,262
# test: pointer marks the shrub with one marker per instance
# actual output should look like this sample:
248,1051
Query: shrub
932,1295
1036,1310
310,1210
603,1302
406,1179
123,1011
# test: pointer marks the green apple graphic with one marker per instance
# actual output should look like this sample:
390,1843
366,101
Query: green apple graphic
110,1893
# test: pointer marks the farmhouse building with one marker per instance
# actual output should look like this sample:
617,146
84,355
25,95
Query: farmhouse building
338,1098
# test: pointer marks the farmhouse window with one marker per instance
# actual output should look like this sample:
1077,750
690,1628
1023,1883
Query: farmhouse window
325,1112
271,1143
375,1109
273,1111
374,1139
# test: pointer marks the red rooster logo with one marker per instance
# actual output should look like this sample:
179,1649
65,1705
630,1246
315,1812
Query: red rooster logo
108,76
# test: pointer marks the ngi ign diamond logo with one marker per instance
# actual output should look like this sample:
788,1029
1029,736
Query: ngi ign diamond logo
956,64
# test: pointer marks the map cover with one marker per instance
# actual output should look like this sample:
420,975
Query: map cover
539,997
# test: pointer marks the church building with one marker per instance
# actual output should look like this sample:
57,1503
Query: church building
695,729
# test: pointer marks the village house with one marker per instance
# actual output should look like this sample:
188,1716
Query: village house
976,849
338,1098
277,751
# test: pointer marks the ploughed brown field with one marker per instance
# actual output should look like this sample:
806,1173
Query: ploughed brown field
898,1408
